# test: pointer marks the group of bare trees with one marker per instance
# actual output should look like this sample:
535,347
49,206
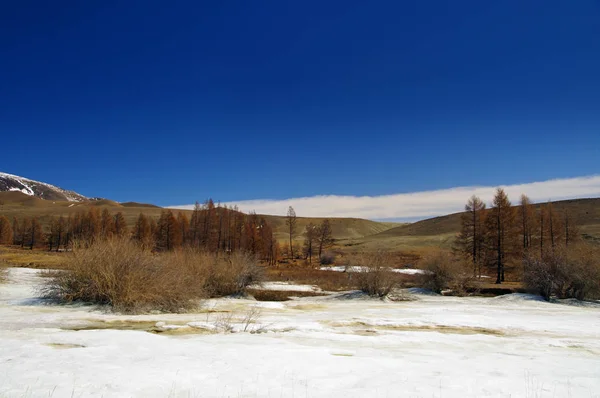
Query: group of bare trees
61,231
317,238
505,233
212,228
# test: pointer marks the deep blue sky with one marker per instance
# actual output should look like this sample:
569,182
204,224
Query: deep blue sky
169,102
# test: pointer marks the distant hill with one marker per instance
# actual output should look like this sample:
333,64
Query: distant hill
441,231
42,190
342,228
18,204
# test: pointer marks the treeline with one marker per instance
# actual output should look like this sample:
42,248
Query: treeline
61,231
505,233
210,228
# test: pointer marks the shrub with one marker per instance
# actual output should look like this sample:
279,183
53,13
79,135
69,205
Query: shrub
327,258
120,273
444,271
232,274
375,277
564,273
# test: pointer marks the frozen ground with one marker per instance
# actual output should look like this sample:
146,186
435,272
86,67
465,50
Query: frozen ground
331,346
355,268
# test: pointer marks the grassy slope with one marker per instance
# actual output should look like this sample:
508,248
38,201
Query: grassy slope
353,233
441,231
343,228
21,205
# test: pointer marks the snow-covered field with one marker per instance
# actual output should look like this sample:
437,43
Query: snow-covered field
331,346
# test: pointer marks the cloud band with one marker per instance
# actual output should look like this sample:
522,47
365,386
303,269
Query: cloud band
418,204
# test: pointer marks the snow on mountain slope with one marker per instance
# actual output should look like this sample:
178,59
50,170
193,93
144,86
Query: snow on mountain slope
10,182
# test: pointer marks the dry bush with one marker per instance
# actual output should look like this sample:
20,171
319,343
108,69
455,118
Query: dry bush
232,274
445,271
376,278
564,273
119,273
327,258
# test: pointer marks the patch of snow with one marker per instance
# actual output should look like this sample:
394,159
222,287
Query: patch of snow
354,268
518,297
314,347
28,190
275,305
285,286
577,303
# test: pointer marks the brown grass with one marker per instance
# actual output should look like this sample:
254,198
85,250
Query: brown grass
14,256
326,280
122,275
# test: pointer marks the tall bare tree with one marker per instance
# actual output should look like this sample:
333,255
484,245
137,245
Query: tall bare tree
471,238
168,231
572,233
291,222
526,221
142,232
551,230
500,228
324,236
35,233
120,225
107,224
6,232
310,239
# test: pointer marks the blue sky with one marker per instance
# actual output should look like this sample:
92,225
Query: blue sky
172,102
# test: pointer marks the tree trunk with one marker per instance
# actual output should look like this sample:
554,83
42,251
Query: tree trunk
499,250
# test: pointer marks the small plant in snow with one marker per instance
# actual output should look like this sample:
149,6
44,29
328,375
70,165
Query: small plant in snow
375,278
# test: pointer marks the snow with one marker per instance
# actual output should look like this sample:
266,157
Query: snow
28,190
349,268
433,346
285,286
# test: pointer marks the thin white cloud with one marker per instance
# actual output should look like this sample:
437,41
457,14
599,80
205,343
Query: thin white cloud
418,204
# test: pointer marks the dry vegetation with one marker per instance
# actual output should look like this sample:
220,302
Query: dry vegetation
376,278
119,273
446,271
16,257
572,272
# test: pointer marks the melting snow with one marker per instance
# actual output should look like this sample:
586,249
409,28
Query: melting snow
348,268
434,346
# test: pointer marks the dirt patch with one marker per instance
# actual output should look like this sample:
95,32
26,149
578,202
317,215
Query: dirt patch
182,331
307,307
342,354
469,330
63,346
280,295
114,325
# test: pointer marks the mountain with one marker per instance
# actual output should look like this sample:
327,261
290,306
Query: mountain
11,183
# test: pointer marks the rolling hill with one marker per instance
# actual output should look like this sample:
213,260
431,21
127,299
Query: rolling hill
23,197
17,204
441,231
30,199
